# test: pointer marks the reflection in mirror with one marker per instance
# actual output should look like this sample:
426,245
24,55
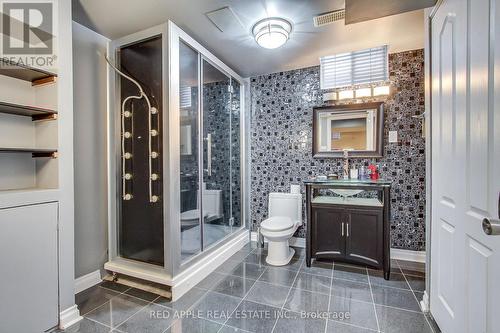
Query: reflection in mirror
356,128
351,131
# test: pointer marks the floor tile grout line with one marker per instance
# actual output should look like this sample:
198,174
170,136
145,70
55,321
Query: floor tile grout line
141,309
373,300
413,292
97,307
288,295
329,297
116,327
241,301
98,322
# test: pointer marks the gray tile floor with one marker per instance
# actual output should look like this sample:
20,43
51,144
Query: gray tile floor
247,295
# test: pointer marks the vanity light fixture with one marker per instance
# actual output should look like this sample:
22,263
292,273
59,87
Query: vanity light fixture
271,33
381,90
330,96
346,94
363,92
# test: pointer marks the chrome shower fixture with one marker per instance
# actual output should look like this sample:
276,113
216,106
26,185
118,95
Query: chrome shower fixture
126,135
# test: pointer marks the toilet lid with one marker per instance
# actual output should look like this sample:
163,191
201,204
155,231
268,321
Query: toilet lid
192,214
277,223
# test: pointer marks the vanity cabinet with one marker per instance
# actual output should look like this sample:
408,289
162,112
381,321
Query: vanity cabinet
353,230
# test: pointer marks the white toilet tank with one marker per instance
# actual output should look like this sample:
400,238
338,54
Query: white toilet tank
286,204
212,202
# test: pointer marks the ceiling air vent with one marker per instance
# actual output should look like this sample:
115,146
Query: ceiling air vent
328,18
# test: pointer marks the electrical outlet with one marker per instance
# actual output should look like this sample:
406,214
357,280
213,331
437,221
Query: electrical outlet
393,136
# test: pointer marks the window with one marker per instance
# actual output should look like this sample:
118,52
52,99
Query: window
354,68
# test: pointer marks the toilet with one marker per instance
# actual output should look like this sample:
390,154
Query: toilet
284,217
212,208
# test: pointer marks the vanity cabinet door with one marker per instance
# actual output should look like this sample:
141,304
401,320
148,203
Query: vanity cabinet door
364,236
327,232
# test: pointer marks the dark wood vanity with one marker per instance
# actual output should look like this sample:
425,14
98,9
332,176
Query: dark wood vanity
346,226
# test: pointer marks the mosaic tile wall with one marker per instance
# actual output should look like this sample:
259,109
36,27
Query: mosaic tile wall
281,147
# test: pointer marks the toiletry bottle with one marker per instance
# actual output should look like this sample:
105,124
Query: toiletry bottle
373,172
354,173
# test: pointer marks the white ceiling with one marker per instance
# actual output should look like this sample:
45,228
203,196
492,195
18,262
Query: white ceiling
237,48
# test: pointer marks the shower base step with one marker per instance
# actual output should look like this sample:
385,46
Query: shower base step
155,288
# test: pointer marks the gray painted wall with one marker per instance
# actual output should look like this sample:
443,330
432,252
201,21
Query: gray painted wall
90,152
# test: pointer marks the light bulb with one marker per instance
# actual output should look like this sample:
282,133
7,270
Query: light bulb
127,135
154,154
127,176
127,196
154,132
127,114
127,155
154,198
154,110
154,176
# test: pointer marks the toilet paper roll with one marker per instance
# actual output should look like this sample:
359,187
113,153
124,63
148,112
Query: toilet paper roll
295,189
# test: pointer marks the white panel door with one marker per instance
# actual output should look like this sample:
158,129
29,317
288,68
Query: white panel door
465,261
28,275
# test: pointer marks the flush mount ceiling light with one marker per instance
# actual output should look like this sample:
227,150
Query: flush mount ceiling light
271,33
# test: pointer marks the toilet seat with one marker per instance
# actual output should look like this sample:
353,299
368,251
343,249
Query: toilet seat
193,214
277,223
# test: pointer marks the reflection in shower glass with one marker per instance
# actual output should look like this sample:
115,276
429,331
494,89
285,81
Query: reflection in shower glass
189,150
216,186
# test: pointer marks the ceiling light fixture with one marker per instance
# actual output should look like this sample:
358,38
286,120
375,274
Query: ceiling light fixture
271,33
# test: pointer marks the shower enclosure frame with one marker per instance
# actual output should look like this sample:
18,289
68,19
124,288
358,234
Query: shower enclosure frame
180,276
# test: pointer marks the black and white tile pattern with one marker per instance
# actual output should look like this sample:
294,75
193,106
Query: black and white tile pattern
281,151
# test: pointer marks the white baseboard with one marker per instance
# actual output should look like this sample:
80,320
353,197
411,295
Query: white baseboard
69,317
424,303
408,255
89,280
183,282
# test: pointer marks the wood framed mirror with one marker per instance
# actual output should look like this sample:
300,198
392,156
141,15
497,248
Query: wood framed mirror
358,128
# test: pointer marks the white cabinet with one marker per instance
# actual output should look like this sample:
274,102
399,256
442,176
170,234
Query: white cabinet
28,268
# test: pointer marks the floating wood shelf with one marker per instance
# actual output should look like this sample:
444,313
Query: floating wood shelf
35,152
28,111
23,72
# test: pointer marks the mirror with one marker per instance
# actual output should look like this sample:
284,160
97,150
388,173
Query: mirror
357,128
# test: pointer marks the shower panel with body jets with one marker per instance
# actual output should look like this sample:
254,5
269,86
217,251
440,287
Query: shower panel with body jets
176,159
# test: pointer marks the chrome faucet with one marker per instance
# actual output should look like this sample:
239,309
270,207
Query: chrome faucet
346,164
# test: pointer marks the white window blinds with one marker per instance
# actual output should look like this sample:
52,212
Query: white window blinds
354,68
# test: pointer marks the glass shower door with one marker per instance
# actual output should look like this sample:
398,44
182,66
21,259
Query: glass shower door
216,187
189,151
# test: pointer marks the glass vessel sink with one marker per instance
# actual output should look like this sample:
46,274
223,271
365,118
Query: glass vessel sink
346,193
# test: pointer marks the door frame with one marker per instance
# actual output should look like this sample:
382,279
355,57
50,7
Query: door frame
429,14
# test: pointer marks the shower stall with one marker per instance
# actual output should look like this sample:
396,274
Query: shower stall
177,165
